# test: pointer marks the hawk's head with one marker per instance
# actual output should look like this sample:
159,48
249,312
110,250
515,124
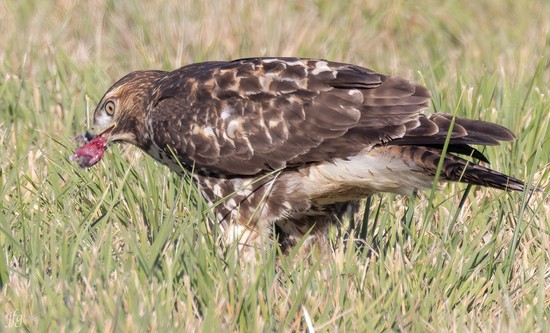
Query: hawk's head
122,110
120,116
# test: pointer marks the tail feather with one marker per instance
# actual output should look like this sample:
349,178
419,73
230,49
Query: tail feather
433,130
457,169
424,144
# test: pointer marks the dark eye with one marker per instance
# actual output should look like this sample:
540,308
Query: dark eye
109,107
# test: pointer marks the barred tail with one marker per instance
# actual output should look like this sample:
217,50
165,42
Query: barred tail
457,169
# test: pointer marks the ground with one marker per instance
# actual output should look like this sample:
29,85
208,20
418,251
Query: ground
123,246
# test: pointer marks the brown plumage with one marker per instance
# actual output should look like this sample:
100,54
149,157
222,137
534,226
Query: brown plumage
290,142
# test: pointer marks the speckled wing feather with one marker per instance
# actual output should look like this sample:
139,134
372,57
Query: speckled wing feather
253,115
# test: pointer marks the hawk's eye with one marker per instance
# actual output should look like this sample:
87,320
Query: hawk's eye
109,107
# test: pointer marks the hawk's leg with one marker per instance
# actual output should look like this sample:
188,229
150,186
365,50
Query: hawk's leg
246,239
310,230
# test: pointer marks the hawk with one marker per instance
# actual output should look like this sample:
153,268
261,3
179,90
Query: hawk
290,143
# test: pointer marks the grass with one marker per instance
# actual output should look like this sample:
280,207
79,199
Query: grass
123,246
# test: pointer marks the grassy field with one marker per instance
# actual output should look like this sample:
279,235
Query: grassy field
123,246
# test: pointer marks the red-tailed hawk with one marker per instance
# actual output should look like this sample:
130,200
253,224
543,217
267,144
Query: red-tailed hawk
289,143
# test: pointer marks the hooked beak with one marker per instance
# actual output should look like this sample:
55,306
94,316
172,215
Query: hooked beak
106,132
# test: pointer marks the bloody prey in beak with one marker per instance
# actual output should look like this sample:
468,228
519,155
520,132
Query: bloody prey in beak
91,150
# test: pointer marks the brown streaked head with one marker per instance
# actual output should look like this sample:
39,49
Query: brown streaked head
122,110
